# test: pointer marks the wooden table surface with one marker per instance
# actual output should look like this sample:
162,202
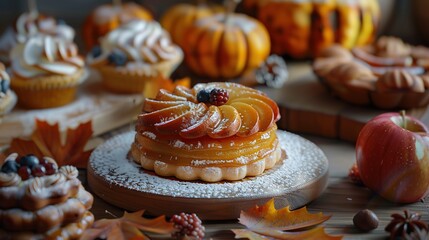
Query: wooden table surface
342,199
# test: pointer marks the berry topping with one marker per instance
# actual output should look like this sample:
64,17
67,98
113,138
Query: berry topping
117,58
4,86
203,96
96,51
10,167
29,160
187,224
218,96
38,171
24,172
51,168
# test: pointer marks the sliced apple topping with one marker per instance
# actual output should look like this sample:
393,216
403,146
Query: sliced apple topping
182,121
257,95
229,125
209,121
266,115
164,95
151,105
249,119
184,92
149,119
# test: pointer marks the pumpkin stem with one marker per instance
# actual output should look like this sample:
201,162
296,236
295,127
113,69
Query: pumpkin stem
230,6
404,119
117,3
32,7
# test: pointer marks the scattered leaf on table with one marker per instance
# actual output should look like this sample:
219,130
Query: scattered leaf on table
129,226
315,233
268,217
46,141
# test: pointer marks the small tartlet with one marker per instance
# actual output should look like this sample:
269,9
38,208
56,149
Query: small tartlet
389,74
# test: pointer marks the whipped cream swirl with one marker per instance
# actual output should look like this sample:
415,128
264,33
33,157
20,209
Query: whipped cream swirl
45,55
142,41
32,23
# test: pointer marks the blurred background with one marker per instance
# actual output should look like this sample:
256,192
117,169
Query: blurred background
402,18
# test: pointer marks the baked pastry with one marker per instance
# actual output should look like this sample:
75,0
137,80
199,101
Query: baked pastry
212,132
46,71
133,55
40,201
29,24
7,96
388,74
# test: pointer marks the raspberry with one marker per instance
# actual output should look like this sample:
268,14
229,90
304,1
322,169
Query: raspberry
218,96
187,225
354,175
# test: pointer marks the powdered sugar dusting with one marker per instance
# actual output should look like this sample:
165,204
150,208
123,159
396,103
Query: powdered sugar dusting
305,163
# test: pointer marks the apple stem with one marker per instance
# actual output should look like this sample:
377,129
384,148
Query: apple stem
404,119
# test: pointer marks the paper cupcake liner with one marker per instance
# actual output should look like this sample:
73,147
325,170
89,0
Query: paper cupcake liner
46,91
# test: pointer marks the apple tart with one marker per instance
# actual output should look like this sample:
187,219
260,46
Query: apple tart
212,132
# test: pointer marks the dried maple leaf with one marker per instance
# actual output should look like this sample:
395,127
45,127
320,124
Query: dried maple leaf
46,141
267,222
315,233
129,226
267,216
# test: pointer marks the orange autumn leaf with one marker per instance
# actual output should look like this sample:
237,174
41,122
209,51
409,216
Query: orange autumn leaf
268,217
46,141
129,226
315,233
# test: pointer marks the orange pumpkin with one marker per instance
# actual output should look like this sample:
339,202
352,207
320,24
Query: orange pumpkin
304,28
107,17
179,17
226,45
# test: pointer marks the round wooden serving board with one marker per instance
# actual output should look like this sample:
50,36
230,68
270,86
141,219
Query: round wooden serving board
294,181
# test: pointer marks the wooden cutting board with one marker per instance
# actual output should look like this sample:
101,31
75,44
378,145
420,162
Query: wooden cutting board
294,181
106,110
308,107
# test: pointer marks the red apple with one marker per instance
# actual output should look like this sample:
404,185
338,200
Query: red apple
392,154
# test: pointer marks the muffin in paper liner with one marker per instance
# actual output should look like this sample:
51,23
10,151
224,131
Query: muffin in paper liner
134,55
128,80
47,91
46,71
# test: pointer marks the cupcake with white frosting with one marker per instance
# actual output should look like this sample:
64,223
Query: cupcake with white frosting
45,71
134,55
31,23
7,96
